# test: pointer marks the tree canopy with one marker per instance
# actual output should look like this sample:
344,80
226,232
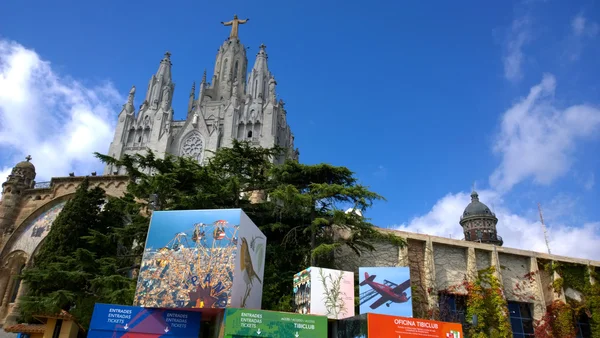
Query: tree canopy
302,214
81,260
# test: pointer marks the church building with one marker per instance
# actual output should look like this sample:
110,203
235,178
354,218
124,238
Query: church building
234,105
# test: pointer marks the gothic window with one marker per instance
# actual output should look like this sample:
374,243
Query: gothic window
264,88
479,234
240,133
224,67
255,87
193,147
16,285
257,129
468,236
249,133
130,136
146,135
235,71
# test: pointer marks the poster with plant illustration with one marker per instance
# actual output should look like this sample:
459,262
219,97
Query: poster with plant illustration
324,292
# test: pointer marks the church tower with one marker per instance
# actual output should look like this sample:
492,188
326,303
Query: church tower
149,129
479,222
21,178
235,105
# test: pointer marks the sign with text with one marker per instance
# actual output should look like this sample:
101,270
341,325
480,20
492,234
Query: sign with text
120,321
403,327
272,324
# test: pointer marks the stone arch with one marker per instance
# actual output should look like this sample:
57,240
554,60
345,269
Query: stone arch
10,269
30,232
192,145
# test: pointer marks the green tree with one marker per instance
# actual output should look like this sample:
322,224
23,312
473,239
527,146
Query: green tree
316,196
305,204
78,263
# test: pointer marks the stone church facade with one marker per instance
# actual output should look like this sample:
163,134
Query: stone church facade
232,106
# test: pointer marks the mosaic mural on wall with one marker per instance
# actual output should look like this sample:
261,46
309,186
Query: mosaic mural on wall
37,229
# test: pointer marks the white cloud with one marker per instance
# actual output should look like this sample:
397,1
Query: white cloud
581,30
581,26
537,138
518,36
590,182
517,231
57,120
578,25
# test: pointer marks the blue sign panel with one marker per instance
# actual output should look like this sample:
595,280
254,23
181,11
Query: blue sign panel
120,321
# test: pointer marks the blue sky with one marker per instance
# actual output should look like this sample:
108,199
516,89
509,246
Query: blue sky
420,99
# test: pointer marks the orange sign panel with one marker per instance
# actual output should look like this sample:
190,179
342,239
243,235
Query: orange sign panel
384,326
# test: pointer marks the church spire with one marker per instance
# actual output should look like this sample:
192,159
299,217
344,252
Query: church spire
164,69
161,85
260,77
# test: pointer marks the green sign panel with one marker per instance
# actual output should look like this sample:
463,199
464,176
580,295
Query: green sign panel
271,324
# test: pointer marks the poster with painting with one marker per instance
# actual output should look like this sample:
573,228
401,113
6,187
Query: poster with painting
324,292
385,290
250,265
192,260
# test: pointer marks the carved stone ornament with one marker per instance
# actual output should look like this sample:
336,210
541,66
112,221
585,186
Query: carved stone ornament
193,147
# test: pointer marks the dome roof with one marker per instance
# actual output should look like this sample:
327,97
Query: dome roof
476,208
26,164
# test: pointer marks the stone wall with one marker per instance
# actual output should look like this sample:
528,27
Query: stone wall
440,264
35,212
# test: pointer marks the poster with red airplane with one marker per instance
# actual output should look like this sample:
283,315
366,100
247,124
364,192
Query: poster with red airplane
385,290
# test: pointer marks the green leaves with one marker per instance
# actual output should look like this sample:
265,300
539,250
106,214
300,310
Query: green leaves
89,251
81,260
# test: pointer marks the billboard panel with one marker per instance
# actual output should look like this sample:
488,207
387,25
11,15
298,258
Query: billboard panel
325,292
250,265
118,321
385,290
271,324
394,326
191,257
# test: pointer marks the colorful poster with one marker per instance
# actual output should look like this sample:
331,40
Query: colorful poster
250,266
271,324
393,326
301,290
385,290
192,259
324,292
120,321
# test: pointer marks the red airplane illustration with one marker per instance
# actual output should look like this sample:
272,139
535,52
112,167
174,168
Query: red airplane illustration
388,294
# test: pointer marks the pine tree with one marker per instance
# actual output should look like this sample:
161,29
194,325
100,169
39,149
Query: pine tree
300,218
78,263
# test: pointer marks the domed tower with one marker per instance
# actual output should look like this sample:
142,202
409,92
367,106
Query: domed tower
479,223
21,178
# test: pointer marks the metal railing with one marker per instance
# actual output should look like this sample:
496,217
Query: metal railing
41,185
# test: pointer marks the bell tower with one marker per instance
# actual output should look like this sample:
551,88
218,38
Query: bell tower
21,178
